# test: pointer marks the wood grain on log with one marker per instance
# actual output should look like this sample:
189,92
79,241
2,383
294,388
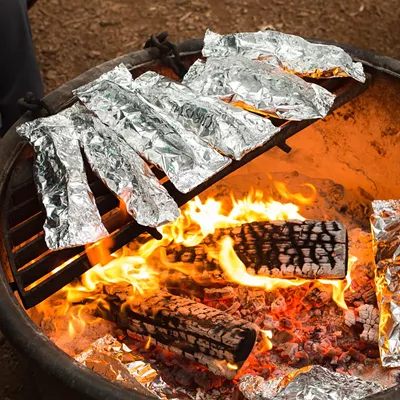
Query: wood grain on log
200,333
285,249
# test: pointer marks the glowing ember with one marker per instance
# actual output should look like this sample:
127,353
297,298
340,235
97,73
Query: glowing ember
136,272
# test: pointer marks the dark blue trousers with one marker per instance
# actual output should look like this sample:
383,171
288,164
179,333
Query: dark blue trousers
19,71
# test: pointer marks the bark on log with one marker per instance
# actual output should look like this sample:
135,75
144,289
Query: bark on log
203,334
284,249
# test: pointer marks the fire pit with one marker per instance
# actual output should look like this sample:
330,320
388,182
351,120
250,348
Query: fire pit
336,167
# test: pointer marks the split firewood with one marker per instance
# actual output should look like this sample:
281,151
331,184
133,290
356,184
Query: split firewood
202,334
284,249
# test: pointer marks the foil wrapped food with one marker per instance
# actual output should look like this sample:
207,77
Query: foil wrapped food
294,53
231,130
385,223
72,218
123,171
117,362
313,382
104,357
153,133
259,87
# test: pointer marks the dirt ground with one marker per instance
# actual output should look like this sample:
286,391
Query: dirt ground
72,36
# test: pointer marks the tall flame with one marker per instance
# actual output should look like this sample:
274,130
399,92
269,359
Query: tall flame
236,272
138,269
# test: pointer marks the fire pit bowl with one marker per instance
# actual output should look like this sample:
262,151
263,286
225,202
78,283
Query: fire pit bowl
60,376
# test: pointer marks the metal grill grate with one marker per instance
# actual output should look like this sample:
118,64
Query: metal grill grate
39,272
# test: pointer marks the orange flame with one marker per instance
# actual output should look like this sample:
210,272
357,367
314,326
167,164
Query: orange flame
266,336
99,253
298,197
137,269
235,271
148,343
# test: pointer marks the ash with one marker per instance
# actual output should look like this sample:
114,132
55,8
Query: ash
308,328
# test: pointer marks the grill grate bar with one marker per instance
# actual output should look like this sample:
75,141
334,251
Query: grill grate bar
38,272
37,246
28,228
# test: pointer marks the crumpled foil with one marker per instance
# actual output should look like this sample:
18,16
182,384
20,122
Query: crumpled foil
294,53
123,171
153,133
116,361
72,218
315,382
231,130
258,86
255,387
385,223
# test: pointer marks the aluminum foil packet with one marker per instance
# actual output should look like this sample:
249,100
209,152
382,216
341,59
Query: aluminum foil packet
123,171
385,223
153,133
313,382
116,361
294,53
231,130
72,218
260,87
105,356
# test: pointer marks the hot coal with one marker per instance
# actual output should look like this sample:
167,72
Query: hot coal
307,328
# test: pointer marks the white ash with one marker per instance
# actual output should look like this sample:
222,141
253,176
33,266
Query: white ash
214,394
350,317
368,315
278,305
307,326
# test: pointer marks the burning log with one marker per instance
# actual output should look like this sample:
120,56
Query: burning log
200,333
283,249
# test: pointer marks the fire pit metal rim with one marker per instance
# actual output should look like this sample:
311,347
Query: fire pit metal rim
16,324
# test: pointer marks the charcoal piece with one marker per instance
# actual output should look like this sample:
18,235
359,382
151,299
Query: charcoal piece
192,330
284,249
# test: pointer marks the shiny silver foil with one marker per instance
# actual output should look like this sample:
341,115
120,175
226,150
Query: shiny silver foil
72,218
118,362
123,171
294,53
259,87
315,382
231,130
385,223
152,132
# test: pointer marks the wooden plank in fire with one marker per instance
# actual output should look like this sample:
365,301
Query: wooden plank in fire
193,330
282,249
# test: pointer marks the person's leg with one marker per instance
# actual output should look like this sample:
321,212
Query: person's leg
19,71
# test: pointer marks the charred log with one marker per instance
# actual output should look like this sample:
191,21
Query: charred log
285,249
200,333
